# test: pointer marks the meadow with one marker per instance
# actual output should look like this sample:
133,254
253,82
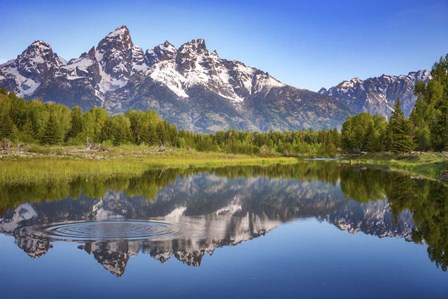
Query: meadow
39,164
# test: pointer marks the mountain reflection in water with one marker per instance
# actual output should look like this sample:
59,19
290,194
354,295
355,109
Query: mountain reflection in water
186,214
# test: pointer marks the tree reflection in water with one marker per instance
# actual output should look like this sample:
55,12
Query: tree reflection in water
210,208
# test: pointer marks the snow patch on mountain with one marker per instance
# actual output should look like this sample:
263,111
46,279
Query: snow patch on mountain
378,95
189,85
165,73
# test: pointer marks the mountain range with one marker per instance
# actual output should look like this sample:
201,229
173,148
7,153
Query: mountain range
378,95
193,87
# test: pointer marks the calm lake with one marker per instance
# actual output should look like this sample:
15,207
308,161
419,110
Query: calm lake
311,230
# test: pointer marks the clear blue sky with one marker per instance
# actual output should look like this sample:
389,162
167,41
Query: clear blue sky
308,44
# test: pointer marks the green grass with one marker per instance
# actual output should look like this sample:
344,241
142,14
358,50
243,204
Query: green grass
45,164
39,164
427,164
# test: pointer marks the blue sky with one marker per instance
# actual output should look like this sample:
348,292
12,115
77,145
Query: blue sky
308,44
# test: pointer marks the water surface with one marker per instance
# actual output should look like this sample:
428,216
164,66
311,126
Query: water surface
315,229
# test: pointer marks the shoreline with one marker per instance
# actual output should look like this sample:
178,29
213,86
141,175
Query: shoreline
53,164
43,164
428,165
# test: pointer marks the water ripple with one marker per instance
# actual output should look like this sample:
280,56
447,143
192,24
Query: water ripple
102,231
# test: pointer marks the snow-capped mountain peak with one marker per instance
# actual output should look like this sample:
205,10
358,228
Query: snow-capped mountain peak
33,67
37,58
194,46
189,85
194,65
114,53
377,95
118,40
36,49
350,84
119,32
165,51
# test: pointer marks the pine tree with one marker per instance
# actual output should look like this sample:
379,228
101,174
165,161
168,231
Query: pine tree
439,130
399,131
50,135
27,131
149,135
372,140
76,123
419,119
6,126
347,135
121,129
439,127
162,134
430,113
355,132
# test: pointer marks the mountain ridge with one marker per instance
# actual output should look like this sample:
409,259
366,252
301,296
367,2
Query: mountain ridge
189,86
377,95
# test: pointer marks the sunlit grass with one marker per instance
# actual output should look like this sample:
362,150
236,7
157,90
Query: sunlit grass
427,164
45,164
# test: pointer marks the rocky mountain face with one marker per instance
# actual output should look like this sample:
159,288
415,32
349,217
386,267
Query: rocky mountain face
195,88
378,95
190,86
34,68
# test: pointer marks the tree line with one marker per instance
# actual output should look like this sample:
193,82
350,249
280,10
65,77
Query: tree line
33,121
426,129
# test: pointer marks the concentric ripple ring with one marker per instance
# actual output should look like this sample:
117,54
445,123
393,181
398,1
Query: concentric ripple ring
103,231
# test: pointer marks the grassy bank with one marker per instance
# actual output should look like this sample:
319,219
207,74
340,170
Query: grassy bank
426,164
46,164
35,164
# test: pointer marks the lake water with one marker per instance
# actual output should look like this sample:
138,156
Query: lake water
311,230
